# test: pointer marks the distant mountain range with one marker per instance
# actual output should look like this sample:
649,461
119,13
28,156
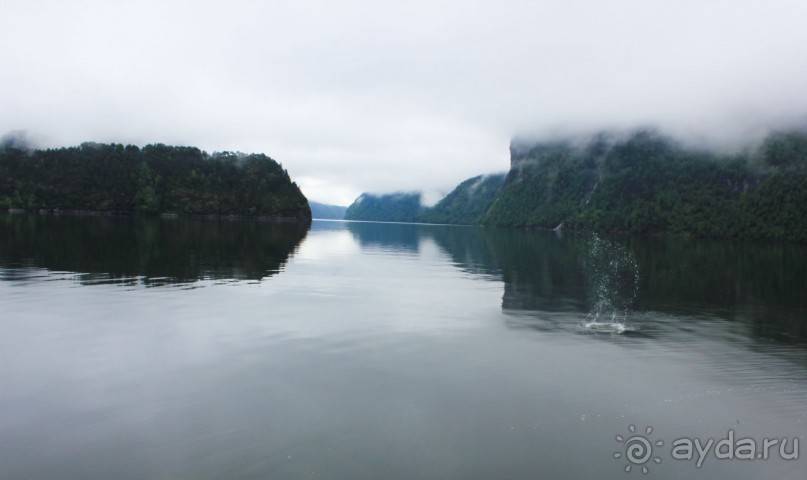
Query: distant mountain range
463,206
640,183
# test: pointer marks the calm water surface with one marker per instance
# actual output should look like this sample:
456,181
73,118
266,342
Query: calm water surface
175,348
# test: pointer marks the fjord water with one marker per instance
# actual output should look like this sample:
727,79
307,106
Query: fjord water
213,348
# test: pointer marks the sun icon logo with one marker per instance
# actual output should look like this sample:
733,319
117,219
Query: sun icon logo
638,449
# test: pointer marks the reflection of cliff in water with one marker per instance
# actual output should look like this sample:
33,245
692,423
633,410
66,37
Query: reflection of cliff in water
467,247
757,284
153,251
760,283
540,270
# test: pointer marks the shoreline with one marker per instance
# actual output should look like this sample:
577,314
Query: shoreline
165,215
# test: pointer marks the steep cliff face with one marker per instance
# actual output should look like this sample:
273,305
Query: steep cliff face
519,149
546,184
647,183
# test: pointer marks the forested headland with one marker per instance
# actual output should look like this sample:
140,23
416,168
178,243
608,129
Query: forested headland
155,179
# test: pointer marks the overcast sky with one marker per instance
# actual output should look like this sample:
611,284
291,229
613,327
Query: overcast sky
354,96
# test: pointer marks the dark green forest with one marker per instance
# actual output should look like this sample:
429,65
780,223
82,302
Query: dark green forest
156,179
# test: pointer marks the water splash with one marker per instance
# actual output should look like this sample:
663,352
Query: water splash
613,275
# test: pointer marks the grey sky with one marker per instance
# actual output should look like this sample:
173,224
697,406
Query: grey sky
356,96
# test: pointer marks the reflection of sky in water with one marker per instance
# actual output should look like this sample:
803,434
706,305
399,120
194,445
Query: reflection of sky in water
332,273
325,242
